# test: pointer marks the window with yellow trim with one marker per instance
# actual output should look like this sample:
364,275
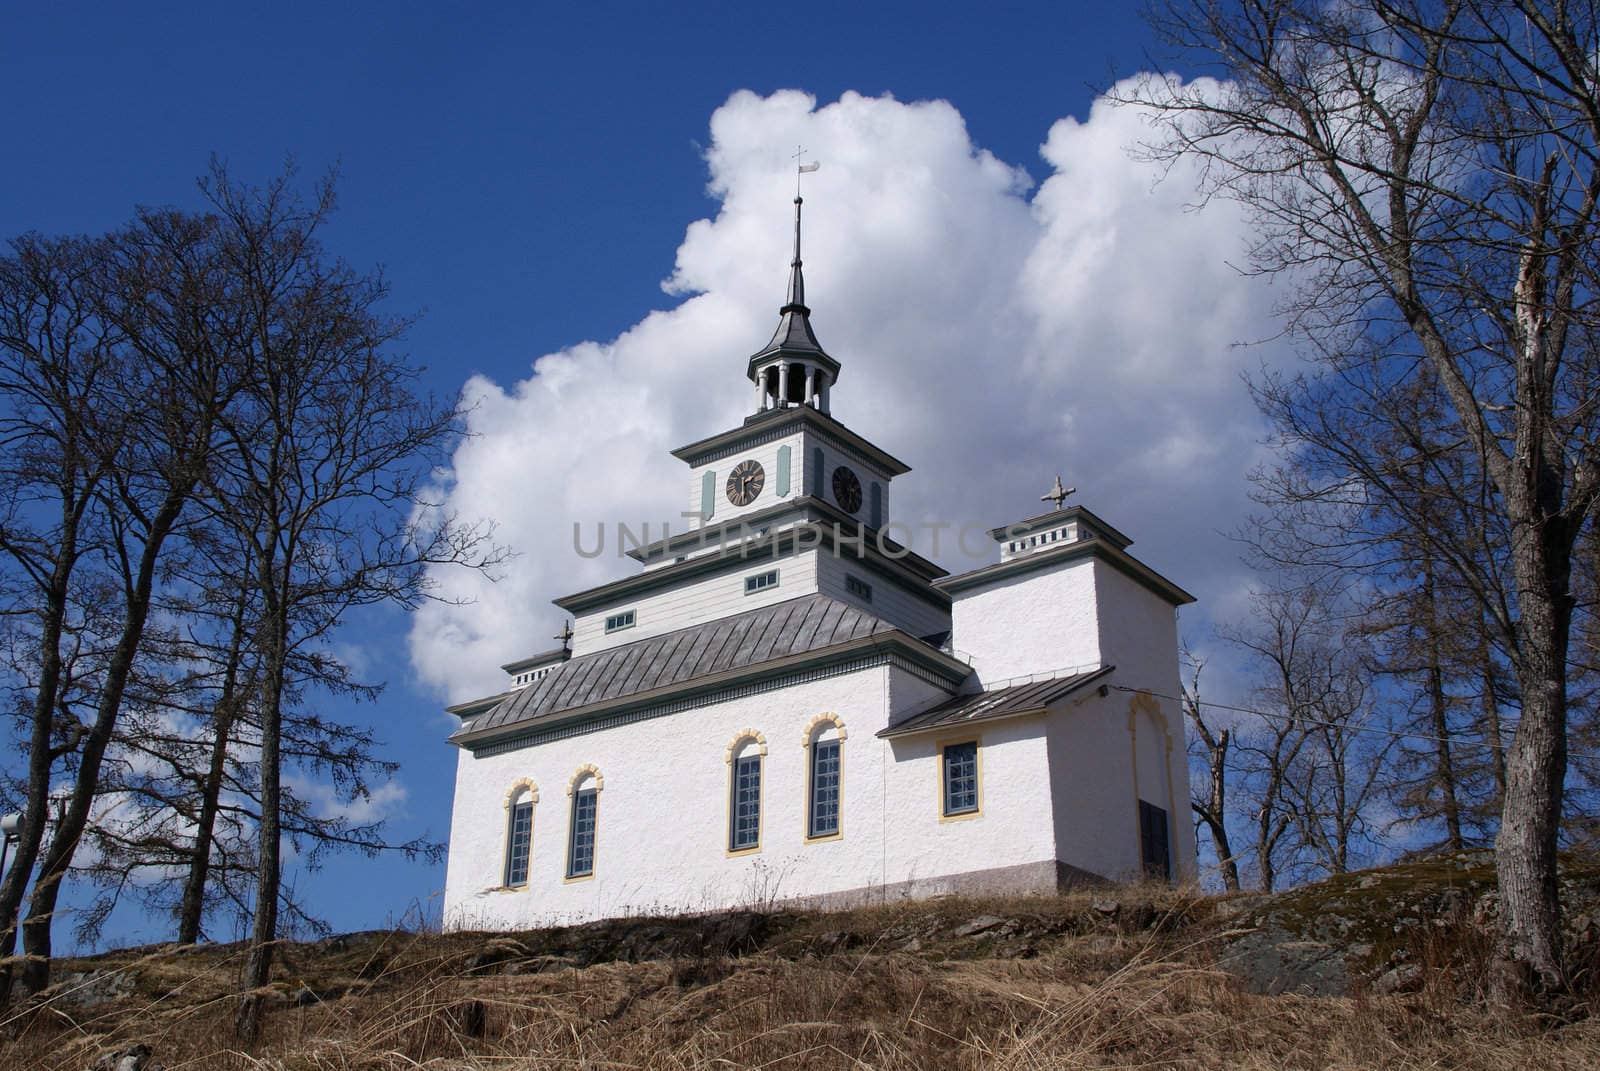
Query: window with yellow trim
519,840
744,806
960,778
823,817
580,837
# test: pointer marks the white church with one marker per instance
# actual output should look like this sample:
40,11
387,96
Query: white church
783,705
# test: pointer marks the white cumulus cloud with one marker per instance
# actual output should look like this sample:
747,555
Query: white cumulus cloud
991,331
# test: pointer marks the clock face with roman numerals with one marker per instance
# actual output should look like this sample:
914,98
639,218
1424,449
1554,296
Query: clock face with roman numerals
846,489
745,482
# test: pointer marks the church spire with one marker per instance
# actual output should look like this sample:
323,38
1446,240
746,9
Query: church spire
793,368
797,281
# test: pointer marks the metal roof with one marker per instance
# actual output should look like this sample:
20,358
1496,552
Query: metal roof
997,703
797,626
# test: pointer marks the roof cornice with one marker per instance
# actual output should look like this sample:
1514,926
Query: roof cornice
473,707
772,419
1038,560
553,656
1060,516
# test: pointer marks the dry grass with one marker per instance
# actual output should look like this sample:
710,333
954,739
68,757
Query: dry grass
1091,994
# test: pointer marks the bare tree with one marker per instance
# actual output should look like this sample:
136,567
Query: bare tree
1429,173
1214,750
327,458
58,440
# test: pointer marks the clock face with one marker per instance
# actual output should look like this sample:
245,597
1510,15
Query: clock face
745,482
846,489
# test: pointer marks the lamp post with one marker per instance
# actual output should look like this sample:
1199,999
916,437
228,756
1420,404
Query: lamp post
8,826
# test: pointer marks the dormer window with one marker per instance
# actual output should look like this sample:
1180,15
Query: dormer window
858,587
761,581
618,622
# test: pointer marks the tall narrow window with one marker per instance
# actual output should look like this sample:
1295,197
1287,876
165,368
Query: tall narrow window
818,474
744,830
580,841
519,839
823,820
961,778
1153,841
876,492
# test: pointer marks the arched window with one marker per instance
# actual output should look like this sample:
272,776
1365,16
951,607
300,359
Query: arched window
585,792
824,740
744,791
519,833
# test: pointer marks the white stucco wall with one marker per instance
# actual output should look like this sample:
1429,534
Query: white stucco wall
1036,623
661,842
1103,755
1139,635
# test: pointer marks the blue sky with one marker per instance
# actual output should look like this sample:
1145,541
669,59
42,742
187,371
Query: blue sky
525,174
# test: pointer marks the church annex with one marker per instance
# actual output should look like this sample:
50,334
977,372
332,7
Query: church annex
785,705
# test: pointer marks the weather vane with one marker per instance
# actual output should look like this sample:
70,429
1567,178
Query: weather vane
802,169
565,635
1057,494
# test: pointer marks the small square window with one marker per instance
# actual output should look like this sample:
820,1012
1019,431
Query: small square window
618,622
761,582
862,590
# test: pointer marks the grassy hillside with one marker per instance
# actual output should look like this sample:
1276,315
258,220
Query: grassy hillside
1120,978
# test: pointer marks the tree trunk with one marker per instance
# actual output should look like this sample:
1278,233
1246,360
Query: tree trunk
1216,814
41,757
1491,721
1438,717
1529,946
58,859
192,908
264,926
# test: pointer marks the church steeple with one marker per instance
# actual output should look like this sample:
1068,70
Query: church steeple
793,368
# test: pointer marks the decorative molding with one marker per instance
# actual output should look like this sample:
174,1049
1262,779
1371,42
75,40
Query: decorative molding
588,769
518,787
820,719
531,738
741,737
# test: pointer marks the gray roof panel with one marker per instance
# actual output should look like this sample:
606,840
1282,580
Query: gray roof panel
996,703
731,643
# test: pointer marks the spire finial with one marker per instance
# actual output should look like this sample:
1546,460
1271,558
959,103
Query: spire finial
1057,494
